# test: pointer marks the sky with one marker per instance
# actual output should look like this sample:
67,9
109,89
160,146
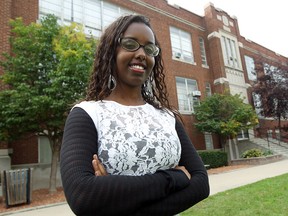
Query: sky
261,21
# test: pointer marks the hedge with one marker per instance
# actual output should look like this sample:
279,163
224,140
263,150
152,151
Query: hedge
214,158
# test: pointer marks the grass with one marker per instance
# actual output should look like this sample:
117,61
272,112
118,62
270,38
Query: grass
266,198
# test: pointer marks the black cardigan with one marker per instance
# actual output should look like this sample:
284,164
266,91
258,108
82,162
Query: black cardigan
164,193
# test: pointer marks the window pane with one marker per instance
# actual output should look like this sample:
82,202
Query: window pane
203,52
93,14
250,67
44,149
230,51
208,141
208,91
181,45
185,88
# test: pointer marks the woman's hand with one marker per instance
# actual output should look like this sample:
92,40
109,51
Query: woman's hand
184,170
98,167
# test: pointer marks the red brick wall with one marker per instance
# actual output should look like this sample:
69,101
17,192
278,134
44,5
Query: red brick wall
25,151
5,15
28,10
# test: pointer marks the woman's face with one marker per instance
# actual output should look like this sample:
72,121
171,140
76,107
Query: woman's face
134,67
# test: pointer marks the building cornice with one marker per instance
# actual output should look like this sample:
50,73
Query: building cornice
165,13
260,53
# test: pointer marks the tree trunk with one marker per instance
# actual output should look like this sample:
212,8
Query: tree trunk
54,163
236,148
231,149
279,127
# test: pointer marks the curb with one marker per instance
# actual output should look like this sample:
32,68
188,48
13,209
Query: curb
32,208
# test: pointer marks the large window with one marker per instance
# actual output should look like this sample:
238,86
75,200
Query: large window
208,91
186,93
181,45
230,52
257,103
250,67
208,141
44,150
203,52
94,15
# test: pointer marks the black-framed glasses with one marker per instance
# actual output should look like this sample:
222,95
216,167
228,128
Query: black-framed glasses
132,45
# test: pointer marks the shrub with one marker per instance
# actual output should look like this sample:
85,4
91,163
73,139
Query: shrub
214,158
252,153
267,152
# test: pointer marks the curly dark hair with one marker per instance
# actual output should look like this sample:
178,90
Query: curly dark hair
105,63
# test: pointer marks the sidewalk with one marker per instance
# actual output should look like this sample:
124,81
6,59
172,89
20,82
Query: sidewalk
218,183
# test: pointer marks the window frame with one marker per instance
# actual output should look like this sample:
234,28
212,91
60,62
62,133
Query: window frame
80,12
189,101
181,52
230,50
203,53
250,68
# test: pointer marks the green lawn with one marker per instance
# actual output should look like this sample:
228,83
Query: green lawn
268,197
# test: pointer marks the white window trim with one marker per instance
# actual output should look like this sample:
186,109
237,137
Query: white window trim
191,108
203,52
236,51
181,57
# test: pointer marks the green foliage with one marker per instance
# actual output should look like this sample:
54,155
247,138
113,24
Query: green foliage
256,153
252,153
267,152
224,114
46,72
214,158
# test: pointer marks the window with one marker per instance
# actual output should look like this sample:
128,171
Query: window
257,104
186,100
44,150
203,52
181,45
94,15
242,135
230,52
208,91
208,141
250,67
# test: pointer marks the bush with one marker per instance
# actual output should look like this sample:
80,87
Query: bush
214,158
267,152
252,153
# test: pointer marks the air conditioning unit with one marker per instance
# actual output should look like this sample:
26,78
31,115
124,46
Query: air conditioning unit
178,55
196,93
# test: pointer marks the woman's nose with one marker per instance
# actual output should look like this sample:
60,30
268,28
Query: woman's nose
140,53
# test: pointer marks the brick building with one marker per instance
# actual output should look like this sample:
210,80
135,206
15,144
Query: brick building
202,56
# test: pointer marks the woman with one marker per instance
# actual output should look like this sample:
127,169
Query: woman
143,161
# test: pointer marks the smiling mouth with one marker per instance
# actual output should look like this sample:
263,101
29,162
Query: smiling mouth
137,68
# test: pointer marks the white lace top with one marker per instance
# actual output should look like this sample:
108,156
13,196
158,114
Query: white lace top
134,140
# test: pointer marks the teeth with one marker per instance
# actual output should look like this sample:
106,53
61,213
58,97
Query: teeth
137,67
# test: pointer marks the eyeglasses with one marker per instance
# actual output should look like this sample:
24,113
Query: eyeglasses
132,45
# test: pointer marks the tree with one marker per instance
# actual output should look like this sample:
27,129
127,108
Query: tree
271,90
45,74
225,115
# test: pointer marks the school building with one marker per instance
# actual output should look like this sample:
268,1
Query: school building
202,55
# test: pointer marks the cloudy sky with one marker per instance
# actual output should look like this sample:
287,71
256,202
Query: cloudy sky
264,22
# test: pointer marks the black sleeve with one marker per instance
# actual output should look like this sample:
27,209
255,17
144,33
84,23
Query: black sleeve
88,194
197,190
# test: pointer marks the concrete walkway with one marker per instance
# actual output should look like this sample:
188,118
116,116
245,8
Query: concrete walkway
218,183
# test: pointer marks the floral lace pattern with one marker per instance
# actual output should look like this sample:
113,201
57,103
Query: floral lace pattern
134,140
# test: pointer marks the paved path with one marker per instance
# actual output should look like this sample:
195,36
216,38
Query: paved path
218,183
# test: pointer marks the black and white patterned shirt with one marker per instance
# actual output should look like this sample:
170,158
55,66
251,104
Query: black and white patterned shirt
134,140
